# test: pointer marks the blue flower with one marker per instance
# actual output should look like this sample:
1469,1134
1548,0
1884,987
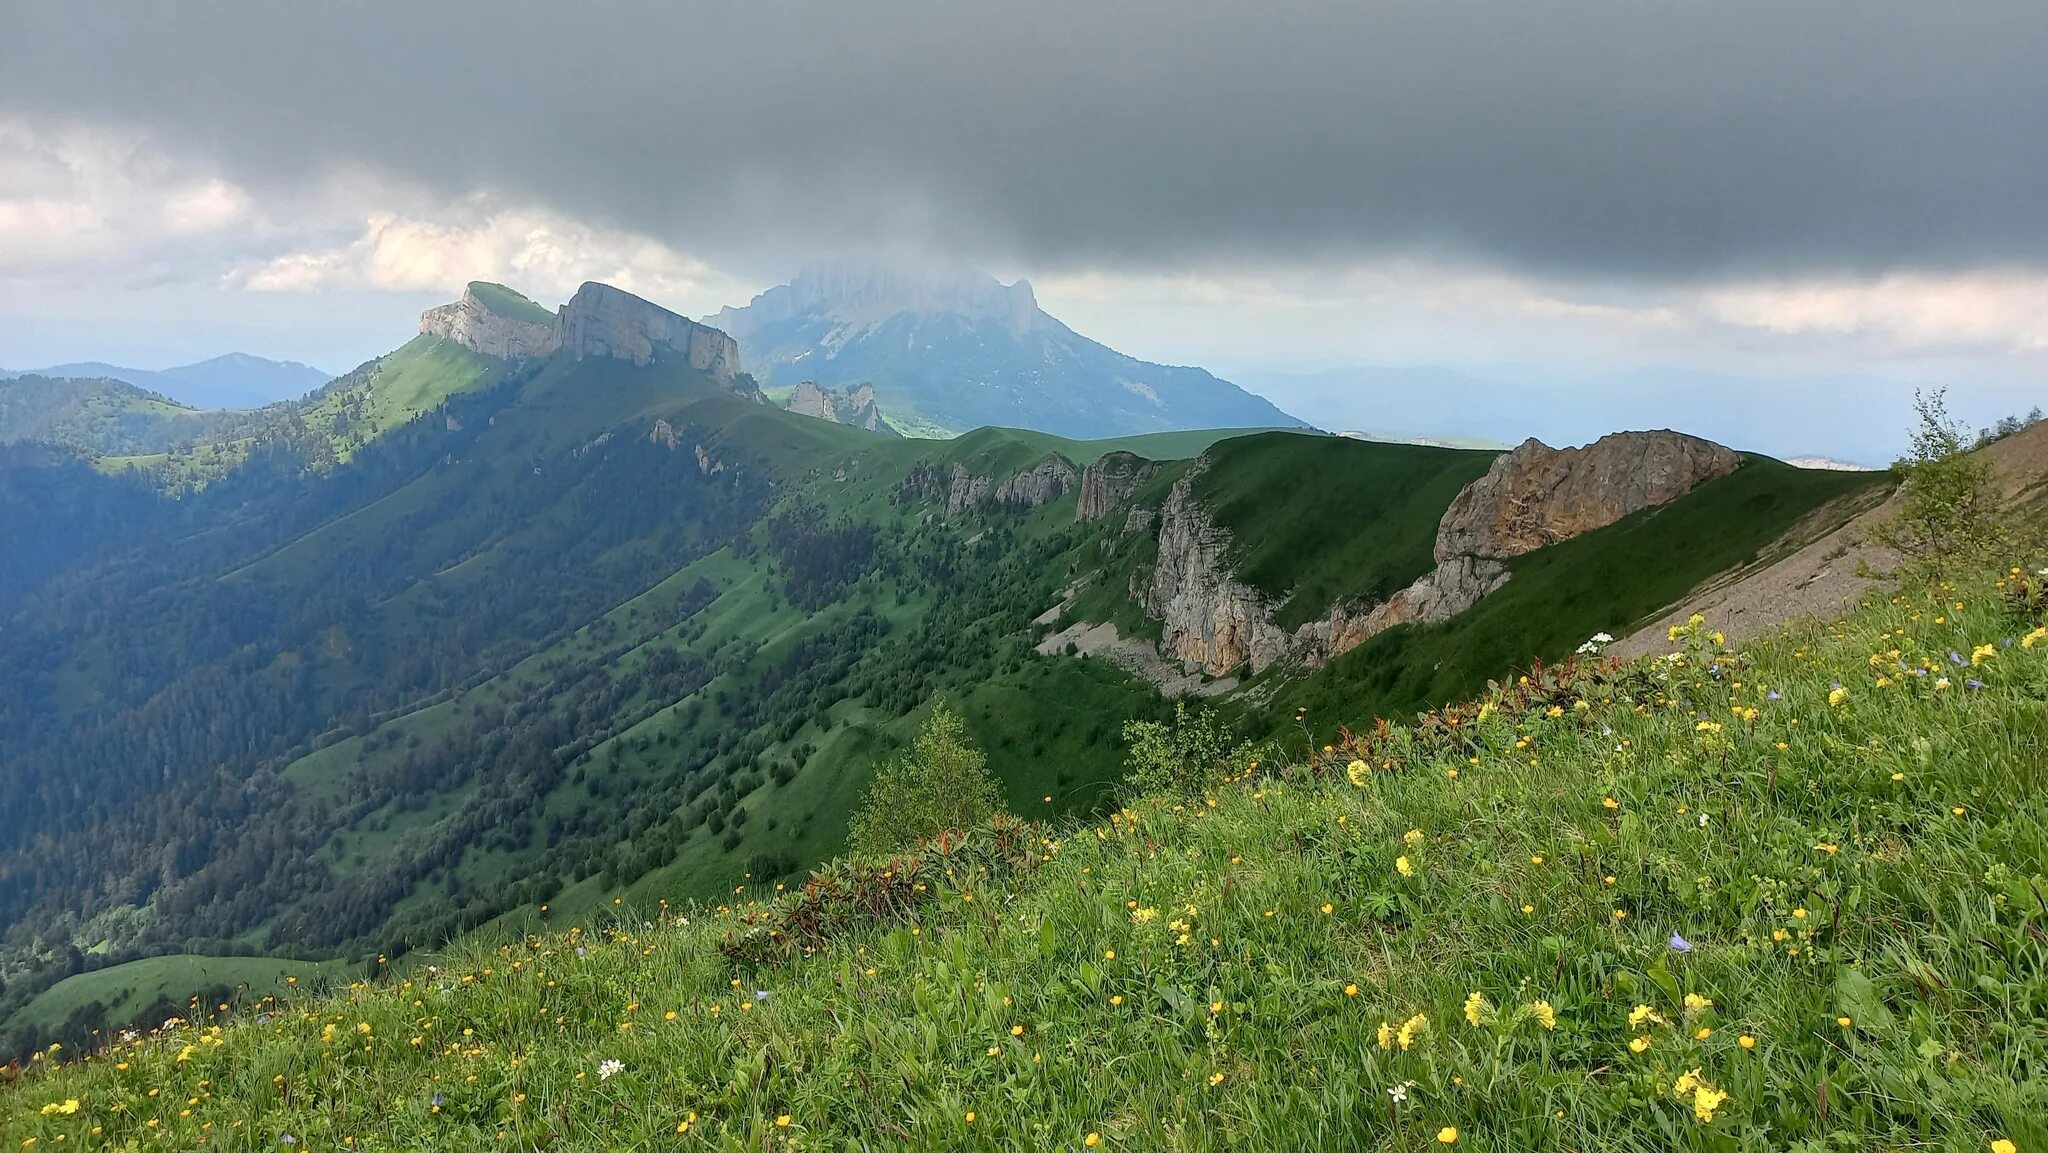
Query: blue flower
1679,944
1774,695
760,995
438,1099
1973,683
1955,658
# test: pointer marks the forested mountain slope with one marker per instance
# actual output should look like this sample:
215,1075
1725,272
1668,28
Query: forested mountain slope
1645,906
551,611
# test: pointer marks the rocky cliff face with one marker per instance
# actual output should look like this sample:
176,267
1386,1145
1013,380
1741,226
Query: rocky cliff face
598,321
1209,619
855,405
1106,483
1538,495
1531,497
471,323
602,321
1042,483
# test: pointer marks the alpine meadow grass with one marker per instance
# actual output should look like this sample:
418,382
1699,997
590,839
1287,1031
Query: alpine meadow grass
1787,897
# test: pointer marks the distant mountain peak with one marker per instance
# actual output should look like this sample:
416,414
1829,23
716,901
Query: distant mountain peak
956,348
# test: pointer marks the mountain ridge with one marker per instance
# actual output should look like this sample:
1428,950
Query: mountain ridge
232,381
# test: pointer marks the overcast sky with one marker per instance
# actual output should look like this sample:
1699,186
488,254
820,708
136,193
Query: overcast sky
1755,187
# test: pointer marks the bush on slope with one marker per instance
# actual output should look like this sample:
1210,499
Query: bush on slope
1784,898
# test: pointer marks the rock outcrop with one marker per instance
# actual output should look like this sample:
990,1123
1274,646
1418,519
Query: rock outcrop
603,321
1537,495
598,321
1105,484
1209,619
852,406
1531,497
472,323
966,491
1042,483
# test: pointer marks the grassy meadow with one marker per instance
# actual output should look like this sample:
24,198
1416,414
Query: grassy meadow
1790,897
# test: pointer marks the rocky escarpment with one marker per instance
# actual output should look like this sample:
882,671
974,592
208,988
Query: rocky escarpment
965,491
1042,483
852,406
472,323
1529,498
1105,484
1537,495
603,321
1209,619
598,321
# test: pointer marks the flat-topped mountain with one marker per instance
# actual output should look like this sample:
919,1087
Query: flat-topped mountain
959,349
598,321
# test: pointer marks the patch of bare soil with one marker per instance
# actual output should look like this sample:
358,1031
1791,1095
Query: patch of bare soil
1822,574
1134,656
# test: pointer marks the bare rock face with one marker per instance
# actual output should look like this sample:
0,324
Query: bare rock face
966,491
1106,483
854,405
1209,619
603,321
1042,483
598,321
1531,497
1537,495
471,323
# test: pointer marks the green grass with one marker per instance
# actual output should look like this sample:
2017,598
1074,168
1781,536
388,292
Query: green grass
1609,580
1320,521
128,988
1857,872
509,303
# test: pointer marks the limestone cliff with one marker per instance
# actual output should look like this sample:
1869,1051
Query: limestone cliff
474,324
1537,495
1042,483
598,321
1531,497
1209,619
854,406
603,321
1105,484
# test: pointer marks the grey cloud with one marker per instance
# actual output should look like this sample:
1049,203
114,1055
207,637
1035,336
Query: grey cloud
1638,139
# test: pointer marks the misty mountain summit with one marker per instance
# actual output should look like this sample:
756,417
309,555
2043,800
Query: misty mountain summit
958,349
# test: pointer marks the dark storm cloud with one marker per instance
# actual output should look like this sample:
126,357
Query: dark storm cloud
1633,138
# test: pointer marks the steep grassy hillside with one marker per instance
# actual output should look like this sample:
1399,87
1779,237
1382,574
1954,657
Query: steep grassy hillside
1608,580
1788,897
1321,521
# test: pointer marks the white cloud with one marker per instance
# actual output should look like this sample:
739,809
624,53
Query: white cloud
1904,312
100,204
541,253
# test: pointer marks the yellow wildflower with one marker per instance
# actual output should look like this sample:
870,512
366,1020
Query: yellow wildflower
1404,867
1475,1007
